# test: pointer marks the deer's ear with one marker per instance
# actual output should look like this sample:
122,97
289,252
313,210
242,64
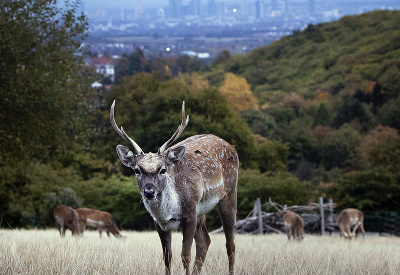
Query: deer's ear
175,155
126,156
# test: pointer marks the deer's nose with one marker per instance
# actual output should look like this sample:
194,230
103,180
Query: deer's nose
149,191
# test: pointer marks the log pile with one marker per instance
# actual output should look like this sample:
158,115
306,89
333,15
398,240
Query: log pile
273,223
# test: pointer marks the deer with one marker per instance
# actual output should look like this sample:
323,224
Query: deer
180,184
66,218
351,218
97,219
294,225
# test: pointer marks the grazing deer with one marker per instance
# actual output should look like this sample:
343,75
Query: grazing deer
351,218
66,218
294,225
97,219
182,183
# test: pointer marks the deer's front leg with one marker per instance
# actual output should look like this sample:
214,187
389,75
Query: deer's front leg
188,231
165,237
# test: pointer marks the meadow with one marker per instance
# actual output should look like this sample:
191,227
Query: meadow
44,252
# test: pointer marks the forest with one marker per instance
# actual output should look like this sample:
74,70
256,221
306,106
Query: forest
316,113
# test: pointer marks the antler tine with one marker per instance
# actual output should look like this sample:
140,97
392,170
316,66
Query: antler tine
177,133
121,131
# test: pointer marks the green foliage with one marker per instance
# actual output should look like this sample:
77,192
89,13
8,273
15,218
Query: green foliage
322,116
272,156
339,146
222,56
301,141
187,64
149,111
282,187
381,148
368,190
259,123
51,200
389,114
40,92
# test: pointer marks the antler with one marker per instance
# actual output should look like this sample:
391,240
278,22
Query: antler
121,131
177,133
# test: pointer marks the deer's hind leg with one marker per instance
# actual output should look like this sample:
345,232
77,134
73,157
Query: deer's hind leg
202,243
61,229
227,211
346,230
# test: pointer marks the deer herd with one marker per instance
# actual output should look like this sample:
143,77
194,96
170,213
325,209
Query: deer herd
76,220
179,185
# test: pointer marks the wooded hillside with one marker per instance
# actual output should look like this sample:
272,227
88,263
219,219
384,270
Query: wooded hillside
314,114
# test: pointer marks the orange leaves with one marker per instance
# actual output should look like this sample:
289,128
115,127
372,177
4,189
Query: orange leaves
238,93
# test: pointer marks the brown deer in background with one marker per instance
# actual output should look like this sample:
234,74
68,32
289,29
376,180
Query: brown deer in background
66,218
351,218
294,225
98,219
182,183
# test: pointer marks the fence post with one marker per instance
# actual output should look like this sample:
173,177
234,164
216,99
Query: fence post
321,210
257,212
330,220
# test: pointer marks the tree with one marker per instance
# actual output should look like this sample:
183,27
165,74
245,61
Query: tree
221,57
375,189
339,146
137,62
41,93
389,114
238,93
322,116
149,112
121,69
381,147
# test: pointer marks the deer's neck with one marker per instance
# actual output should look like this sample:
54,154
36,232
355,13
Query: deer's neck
166,208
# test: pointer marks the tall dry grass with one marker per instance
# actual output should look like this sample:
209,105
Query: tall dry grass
44,252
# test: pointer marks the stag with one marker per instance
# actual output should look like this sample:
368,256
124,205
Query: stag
180,184
66,218
294,225
351,218
97,219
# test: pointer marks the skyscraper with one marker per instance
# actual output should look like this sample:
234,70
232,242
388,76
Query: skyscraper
197,7
174,8
212,8
259,9
274,5
139,9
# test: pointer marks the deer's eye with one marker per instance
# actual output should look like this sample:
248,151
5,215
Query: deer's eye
163,171
137,171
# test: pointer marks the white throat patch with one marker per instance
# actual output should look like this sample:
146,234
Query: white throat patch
166,208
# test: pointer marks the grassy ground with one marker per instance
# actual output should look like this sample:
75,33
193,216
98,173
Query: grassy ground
44,252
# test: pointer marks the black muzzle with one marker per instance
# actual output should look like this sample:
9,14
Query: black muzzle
149,191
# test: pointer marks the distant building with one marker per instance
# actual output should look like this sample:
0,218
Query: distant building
212,8
104,66
274,5
197,7
139,9
259,9
174,8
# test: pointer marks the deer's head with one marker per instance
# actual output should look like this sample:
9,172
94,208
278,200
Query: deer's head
152,170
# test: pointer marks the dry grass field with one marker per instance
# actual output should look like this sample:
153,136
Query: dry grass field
44,252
